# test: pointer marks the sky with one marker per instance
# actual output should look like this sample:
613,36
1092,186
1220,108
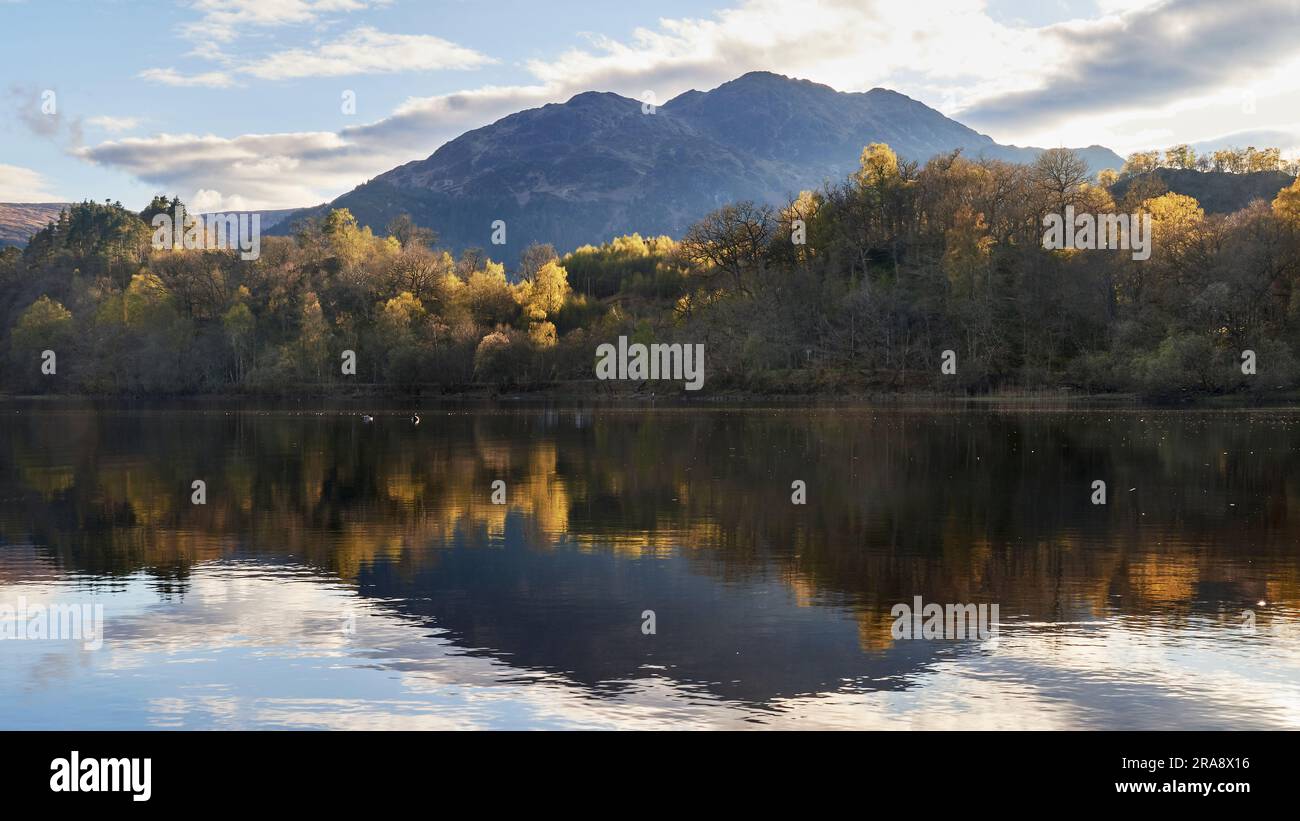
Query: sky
243,104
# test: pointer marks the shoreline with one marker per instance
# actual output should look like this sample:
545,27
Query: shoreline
679,398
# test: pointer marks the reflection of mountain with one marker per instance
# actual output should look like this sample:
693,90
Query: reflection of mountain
579,613
685,512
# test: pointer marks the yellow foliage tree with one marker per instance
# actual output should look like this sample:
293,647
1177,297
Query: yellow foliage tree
400,314
543,296
967,253
1287,204
878,167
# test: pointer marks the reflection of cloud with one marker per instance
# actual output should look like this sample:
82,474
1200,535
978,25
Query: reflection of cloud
1197,674
260,646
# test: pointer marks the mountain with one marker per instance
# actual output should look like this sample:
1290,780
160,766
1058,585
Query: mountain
596,166
1218,192
19,220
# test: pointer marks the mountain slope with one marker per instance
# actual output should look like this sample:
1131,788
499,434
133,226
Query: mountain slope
19,220
597,166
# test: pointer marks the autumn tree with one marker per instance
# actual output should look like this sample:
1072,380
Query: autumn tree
1059,173
731,242
409,235
1140,162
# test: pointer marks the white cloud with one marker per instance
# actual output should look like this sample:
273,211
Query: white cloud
18,184
367,51
364,50
171,77
290,170
113,124
227,19
1177,52
247,172
952,47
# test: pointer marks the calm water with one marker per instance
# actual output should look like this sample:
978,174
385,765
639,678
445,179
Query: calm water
353,575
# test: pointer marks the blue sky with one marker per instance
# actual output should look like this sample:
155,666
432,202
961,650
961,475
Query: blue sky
238,103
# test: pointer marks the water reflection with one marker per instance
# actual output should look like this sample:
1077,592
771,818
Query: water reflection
345,574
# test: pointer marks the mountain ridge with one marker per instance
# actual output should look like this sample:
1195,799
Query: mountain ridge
596,166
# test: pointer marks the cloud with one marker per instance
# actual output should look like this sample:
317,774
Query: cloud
1148,57
113,124
37,109
18,184
246,172
171,77
42,112
367,51
297,169
1286,139
225,20
364,50
923,48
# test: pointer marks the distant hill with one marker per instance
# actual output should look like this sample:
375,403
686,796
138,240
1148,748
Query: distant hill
1218,192
19,220
596,166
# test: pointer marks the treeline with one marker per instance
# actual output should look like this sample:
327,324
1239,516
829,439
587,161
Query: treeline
859,286
1248,160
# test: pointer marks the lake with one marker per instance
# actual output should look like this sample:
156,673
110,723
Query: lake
649,567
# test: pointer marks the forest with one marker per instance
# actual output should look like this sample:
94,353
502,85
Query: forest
856,288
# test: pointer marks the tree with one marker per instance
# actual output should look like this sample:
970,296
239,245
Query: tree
1140,162
1230,159
313,338
1265,159
1180,156
534,257
1286,205
877,167
409,235
731,241
542,297
418,270
1060,173
46,324
489,298
240,326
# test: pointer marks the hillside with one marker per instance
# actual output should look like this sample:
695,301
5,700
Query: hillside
19,220
1218,192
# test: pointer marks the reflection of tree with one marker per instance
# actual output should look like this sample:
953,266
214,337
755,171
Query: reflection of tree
956,507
